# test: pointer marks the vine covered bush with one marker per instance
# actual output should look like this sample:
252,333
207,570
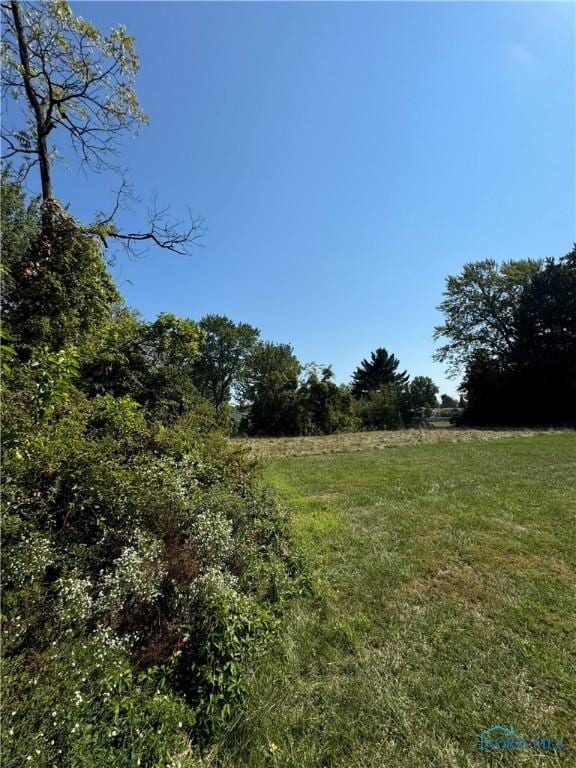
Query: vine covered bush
144,561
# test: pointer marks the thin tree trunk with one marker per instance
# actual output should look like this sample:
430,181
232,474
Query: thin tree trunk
41,119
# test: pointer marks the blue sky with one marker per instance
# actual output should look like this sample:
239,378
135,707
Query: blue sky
346,158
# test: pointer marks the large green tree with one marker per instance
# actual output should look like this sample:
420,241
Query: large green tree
529,377
326,407
171,346
270,390
221,362
479,308
423,393
379,370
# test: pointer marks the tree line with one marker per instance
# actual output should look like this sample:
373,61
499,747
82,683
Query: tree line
510,330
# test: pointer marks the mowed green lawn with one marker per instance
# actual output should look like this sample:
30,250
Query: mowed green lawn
444,603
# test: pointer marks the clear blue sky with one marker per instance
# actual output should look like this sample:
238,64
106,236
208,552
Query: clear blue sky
346,158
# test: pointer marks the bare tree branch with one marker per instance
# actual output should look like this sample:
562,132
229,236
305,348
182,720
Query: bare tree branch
175,236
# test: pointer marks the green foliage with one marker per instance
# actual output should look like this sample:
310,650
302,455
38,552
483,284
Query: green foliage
84,704
545,351
514,328
224,350
171,347
118,418
55,373
72,79
270,387
448,402
151,362
384,399
423,392
144,564
379,371
7,352
479,308
113,360
382,408
215,674
326,407
20,228
163,539
57,289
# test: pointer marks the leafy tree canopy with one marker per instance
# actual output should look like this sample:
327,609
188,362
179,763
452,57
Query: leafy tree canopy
69,77
448,402
531,379
223,352
479,308
270,389
423,393
379,370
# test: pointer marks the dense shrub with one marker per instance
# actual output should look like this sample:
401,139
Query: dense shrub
56,286
144,562
381,409
326,408
163,539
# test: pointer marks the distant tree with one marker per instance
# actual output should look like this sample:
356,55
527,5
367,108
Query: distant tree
268,361
72,81
171,347
379,370
448,402
270,390
479,308
224,351
423,391
533,381
326,407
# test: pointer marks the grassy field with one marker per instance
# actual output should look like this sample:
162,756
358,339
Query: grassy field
360,442
443,604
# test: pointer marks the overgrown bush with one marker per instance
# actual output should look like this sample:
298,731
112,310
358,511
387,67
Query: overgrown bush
326,407
381,409
163,539
56,285
144,562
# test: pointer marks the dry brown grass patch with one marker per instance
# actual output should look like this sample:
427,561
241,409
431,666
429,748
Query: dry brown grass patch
354,442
